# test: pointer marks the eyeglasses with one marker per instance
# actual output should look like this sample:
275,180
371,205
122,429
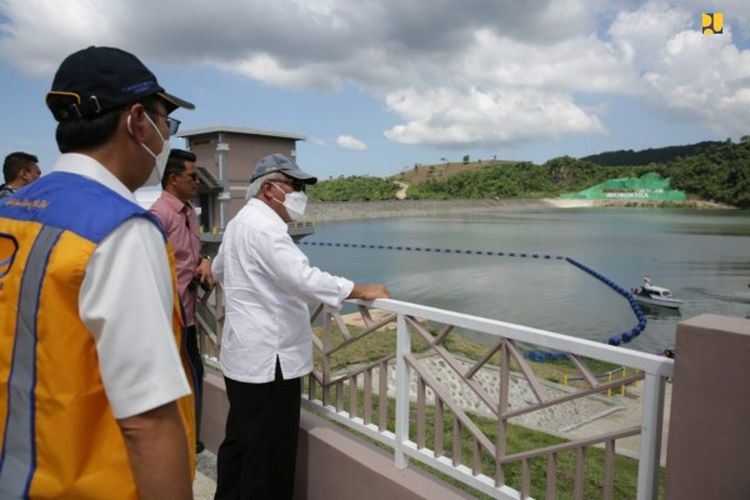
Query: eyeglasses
172,123
296,185
193,176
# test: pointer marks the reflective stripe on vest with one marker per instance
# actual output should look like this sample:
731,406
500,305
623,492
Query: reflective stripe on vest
18,459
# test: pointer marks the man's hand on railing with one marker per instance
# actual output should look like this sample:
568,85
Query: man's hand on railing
203,274
369,292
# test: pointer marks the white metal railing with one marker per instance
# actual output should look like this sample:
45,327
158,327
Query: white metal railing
326,391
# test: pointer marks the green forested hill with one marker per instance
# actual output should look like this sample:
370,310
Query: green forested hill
524,179
625,157
721,173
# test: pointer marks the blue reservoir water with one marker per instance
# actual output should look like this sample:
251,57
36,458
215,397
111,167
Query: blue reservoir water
702,256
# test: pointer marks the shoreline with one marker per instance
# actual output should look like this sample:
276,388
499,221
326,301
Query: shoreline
335,211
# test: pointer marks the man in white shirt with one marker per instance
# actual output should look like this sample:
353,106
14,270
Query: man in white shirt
267,340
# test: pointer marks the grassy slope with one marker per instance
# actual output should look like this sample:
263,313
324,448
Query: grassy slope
442,171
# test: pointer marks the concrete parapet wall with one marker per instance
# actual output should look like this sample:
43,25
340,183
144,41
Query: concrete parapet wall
709,436
331,463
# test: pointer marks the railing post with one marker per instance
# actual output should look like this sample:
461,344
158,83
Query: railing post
651,426
325,355
403,347
501,440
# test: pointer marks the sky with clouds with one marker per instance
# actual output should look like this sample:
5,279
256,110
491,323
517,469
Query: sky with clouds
379,85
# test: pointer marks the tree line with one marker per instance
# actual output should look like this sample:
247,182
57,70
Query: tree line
625,157
354,188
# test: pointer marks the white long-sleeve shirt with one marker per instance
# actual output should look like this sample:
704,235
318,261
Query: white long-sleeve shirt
268,282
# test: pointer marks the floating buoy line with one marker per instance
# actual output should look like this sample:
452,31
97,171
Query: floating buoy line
615,340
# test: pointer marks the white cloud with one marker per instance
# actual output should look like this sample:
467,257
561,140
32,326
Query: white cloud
39,34
483,73
349,142
474,118
499,61
317,141
270,70
695,77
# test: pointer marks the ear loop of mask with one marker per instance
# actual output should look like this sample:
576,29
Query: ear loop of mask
148,150
276,199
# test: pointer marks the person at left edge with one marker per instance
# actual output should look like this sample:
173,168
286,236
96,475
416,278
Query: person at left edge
19,169
173,208
94,397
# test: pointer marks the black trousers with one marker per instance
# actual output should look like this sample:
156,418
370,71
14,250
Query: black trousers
259,452
196,363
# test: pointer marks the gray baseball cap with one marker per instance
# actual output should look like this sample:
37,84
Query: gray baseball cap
280,163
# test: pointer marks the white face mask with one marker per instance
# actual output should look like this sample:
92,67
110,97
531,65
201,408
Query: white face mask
294,202
160,160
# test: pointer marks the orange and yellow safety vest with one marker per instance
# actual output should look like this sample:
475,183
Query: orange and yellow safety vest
59,438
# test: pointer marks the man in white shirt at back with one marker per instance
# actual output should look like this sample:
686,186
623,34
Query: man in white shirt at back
267,339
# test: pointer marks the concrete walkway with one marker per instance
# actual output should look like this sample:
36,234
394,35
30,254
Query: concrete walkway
630,415
204,486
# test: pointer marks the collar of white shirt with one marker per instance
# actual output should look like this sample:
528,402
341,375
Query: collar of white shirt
76,163
267,213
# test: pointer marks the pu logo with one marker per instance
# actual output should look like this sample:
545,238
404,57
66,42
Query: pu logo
8,250
713,23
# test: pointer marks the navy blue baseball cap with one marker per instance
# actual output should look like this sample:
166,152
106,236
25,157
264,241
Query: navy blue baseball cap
95,80
280,163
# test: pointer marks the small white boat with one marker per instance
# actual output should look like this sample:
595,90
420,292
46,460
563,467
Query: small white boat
650,295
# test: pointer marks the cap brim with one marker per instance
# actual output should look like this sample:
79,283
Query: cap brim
175,102
300,176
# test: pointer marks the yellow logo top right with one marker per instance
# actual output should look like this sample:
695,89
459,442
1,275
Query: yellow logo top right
713,23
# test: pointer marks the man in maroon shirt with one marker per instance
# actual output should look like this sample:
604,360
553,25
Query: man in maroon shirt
173,208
